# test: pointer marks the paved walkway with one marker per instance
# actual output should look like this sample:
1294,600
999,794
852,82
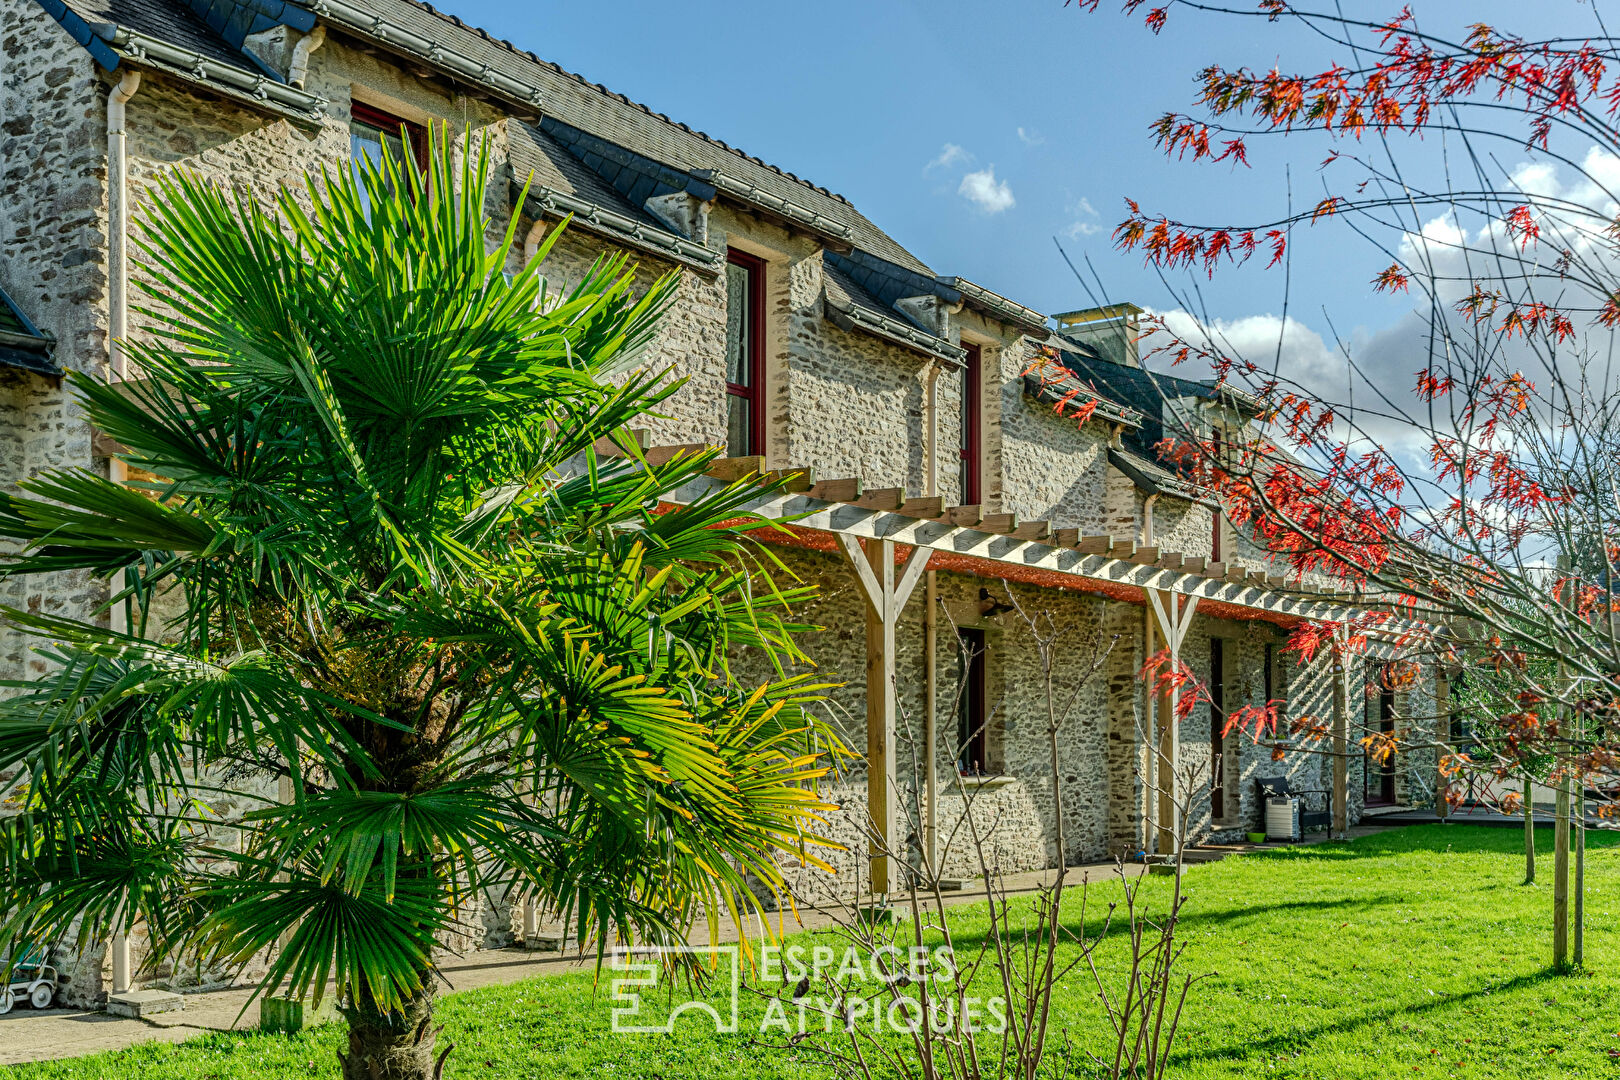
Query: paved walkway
27,1035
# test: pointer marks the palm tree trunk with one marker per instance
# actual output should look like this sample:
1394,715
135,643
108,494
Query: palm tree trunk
1529,836
394,1046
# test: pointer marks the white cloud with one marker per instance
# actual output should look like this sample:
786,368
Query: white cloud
983,190
1030,137
1269,341
949,155
1084,223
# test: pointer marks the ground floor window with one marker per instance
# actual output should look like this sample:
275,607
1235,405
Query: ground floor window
1380,775
972,713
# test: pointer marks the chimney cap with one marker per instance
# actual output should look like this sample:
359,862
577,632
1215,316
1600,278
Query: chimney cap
1106,313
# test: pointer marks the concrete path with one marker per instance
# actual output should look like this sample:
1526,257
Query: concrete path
27,1035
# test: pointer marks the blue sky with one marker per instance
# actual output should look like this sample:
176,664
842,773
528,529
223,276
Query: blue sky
1047,108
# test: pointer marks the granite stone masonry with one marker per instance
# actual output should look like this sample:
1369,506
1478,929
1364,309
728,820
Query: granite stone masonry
854,328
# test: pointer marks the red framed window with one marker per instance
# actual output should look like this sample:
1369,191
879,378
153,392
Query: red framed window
972,432
370,129
973,712
745,355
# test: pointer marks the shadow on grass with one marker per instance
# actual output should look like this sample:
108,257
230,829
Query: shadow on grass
1191,920
1292,1039
1414,839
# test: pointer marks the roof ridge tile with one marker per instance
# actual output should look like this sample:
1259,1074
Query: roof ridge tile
504,43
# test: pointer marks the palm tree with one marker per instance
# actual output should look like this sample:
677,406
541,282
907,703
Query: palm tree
368,551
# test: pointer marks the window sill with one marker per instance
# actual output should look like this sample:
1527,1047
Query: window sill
983,783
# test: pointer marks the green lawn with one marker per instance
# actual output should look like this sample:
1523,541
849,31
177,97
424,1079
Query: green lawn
1414,953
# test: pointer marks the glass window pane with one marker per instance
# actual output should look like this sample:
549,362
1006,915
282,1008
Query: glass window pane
366,141
739,365
739,433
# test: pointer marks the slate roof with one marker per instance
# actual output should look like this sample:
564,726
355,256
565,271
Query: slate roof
588,107
22,344
559,185
1152,477
533,151
169,20
1146,392
1135,387
596,150
195,41
863,311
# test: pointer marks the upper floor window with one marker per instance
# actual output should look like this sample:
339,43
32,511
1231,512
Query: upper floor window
971,427
745,355
371,129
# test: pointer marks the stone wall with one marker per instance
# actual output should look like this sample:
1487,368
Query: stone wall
1052,468
1101,755
846,404
1180,525
53,263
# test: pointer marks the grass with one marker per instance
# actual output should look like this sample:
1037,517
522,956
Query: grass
1412,953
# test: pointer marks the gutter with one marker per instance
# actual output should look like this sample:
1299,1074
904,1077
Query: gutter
433,52
849,317
1152,487
1051,393
298,67
996,305
236,82
117,330
747,193
41,343
627,230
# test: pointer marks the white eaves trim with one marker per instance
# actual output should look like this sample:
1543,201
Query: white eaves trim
139,48
377,28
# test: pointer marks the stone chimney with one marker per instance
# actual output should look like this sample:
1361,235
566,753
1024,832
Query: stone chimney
1112,330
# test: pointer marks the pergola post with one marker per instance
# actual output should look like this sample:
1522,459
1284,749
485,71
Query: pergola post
119,947
886,594
1341,741
1172,615
1442,739
931,724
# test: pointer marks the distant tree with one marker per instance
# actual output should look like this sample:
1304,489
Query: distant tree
485,658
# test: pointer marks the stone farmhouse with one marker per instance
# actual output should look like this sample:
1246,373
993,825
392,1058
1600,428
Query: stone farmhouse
938,479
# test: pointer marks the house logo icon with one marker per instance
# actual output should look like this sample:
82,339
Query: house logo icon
647,1002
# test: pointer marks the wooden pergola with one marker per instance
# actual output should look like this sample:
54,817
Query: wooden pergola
888,540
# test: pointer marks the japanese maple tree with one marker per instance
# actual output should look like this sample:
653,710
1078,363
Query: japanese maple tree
1473,506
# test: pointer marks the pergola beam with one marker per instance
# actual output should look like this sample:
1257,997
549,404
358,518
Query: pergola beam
1116,566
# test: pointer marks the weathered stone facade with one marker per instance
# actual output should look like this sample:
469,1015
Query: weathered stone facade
844,398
